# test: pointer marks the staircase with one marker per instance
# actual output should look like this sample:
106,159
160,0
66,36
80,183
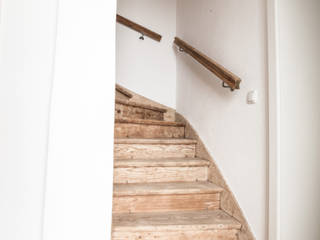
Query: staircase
161,188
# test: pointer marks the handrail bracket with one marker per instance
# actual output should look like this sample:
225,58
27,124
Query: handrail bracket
145,32
229,80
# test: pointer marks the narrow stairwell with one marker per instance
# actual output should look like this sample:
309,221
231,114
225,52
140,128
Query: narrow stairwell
161,187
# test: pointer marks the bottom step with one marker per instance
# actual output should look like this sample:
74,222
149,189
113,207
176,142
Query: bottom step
193,225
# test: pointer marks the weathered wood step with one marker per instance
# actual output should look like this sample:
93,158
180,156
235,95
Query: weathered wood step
160,170
170,162
161,197
145,128
191,225
165,188
128,109
127,148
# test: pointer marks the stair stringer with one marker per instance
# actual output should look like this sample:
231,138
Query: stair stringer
228,201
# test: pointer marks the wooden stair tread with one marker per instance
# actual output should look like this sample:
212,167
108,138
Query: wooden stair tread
175,221
140,105
149,122
160,170
164,141
175,162
134,189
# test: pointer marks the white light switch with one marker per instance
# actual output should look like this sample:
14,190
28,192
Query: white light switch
252,97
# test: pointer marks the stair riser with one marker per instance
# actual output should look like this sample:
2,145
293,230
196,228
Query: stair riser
129,130
135,112
152,151
165,203
160,174
177,235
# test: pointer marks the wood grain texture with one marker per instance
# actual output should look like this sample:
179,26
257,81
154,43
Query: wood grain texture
149,122
175,221
172,162
169,115
160,174
193,225
165,203
165,188
177,235
156,141
137,130
139,28
127,148
136,151
161,189
126,109
226,76
140,105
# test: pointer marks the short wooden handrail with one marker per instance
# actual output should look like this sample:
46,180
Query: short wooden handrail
232,81
137,27
123,91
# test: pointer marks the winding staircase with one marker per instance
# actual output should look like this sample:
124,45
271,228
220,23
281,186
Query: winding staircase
161,187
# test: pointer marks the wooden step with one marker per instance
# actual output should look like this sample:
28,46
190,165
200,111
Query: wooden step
128,109
162,197
191,225
142,128
126,148
160,170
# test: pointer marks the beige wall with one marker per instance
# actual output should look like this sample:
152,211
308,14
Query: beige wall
299,71
234,33
148,67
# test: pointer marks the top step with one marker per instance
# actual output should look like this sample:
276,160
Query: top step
133,110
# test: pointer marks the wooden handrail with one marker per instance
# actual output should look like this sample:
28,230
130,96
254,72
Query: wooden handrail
123,91
137,27
226,76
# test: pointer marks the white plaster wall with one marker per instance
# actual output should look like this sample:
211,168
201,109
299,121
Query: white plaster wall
148,67
299,71
80,164
234,34
27,39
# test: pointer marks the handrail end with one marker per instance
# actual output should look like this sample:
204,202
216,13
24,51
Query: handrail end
237,84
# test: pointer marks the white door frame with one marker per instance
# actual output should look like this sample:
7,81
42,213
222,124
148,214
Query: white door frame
274,123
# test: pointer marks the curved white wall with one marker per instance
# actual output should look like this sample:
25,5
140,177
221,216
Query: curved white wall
233,33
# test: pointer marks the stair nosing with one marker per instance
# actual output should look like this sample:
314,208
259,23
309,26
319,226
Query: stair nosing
153,189
149,122
156,141
141,163
170,225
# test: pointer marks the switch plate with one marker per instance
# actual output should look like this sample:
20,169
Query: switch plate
252,97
